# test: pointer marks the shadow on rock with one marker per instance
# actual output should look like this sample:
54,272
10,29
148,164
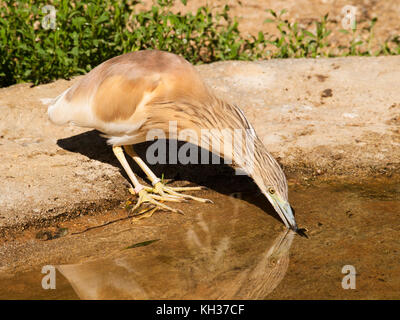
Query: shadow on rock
218,177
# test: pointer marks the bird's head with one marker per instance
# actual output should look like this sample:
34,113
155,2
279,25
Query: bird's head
279,201
271,180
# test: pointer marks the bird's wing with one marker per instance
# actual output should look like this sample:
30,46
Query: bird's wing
118,87
151,87
118,97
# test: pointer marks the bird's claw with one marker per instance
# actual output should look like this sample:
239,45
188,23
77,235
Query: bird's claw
160,192
163,190
145,197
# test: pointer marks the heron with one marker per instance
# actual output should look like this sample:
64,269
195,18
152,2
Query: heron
129,95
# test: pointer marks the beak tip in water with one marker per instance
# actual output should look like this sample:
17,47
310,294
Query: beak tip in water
302,232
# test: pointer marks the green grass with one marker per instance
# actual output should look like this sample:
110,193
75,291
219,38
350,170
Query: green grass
90,32
313,42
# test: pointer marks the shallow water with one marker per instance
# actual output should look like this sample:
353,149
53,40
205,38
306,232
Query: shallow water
233,249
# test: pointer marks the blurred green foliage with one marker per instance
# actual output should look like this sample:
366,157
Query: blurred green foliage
89,32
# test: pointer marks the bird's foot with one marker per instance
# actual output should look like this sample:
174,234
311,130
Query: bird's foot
160,192
153,199
164,191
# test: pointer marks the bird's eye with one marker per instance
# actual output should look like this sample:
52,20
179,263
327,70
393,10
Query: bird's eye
271,190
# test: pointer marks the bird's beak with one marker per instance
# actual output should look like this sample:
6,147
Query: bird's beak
284,210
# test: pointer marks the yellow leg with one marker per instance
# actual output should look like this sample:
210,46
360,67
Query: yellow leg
158,186
119,153
140,190
152,177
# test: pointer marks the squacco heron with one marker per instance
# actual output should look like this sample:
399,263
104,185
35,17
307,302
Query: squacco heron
127,96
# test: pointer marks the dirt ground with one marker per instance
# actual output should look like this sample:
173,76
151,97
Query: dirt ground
251,14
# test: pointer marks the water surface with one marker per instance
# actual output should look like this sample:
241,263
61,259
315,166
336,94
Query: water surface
234,249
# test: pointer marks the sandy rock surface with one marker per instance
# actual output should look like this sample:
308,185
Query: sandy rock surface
329,117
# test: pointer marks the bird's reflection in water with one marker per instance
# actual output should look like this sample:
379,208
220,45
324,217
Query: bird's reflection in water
201,262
